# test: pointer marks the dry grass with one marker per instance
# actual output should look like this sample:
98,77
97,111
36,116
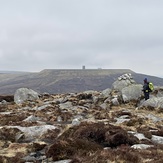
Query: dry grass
159,132
10,119
87,140
85,144
66,149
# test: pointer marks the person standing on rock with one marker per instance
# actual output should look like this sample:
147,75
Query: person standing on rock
146,89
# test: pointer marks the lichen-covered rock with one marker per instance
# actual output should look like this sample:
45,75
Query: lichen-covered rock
132,92
123,81
155,103
25,94
105,93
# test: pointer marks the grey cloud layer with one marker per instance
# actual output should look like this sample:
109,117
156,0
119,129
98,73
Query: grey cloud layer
39,34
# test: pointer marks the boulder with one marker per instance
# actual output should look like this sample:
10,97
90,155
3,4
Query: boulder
132,92
105,93
25,94
158,91
123,81
115,101
157,139
156,102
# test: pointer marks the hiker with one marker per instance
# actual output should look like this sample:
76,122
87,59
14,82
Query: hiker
146,89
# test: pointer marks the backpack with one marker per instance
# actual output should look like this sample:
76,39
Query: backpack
151,86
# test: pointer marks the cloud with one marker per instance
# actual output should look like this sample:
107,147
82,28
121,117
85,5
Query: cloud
40,34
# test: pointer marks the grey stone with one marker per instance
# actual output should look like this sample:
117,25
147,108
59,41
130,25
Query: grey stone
132,92
141,146
156,102
157,139
25,94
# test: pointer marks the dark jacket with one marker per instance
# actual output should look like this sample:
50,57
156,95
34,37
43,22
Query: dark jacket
146,87
146,90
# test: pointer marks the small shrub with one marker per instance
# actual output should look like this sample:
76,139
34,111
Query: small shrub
66,149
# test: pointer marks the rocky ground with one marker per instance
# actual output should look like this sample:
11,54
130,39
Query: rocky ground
112,126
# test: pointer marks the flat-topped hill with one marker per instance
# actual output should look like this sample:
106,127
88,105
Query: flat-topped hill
66,80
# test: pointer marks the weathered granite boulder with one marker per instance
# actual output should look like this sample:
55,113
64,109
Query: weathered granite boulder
34,132
123,81
105,93
157,139
132,92
115,101
25,94
156,102
154,118
158,91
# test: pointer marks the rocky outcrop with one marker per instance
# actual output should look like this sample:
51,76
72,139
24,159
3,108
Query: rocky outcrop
25,94
155,103
132,92
91,126
123,81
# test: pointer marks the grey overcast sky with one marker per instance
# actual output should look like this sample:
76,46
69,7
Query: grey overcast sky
67,34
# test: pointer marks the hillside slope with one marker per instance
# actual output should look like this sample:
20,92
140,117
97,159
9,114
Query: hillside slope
67,80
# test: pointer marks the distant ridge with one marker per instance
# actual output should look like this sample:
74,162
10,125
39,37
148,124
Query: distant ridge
89,71
67,80
12,72
71,73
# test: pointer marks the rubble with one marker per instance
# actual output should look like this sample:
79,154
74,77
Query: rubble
87,127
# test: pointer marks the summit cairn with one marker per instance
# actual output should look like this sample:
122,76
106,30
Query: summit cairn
123,81
128,88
